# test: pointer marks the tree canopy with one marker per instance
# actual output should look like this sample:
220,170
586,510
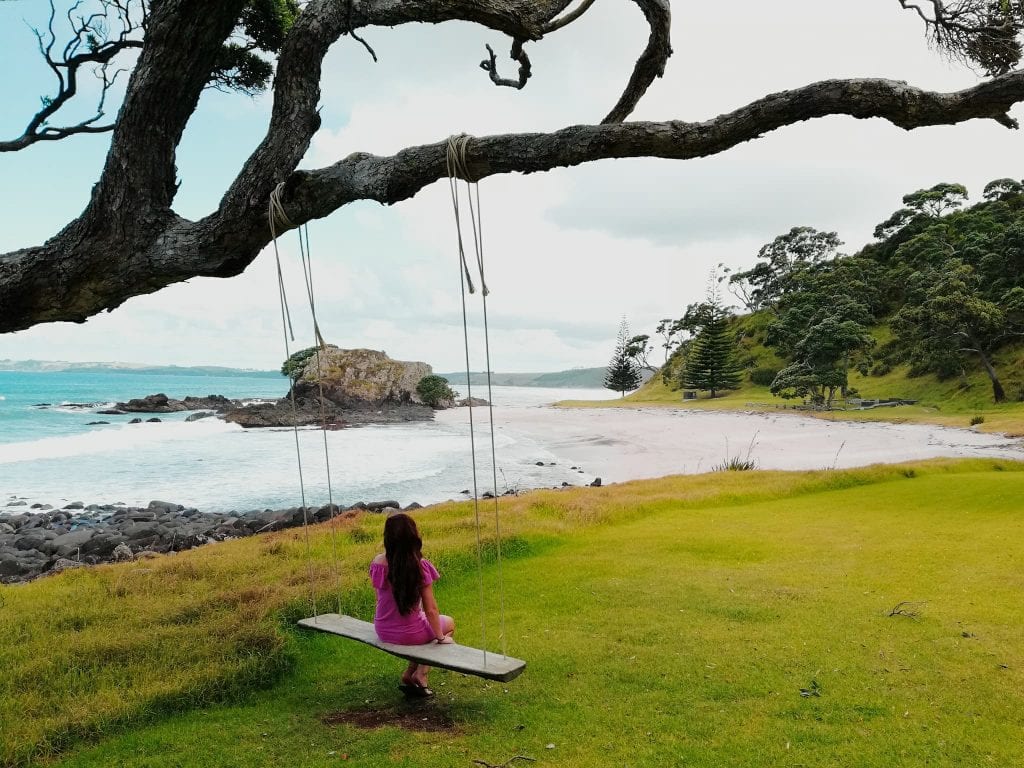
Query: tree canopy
129,240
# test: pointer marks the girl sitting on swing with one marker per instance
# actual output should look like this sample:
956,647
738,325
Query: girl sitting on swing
407,612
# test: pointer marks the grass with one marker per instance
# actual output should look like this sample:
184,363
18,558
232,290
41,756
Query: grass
665,622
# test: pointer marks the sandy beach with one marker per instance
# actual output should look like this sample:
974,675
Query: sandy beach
619,444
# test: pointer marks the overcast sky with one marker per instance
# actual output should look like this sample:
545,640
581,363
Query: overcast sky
568,252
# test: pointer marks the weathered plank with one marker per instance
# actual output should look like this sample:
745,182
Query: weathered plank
458,658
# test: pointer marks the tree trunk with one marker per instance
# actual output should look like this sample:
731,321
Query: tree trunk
998,393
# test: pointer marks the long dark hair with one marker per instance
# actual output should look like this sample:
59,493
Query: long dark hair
402,548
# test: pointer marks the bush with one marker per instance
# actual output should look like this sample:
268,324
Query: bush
293,366
763,375
882,368
435,392
975,420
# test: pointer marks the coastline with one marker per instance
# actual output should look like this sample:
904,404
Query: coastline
642,441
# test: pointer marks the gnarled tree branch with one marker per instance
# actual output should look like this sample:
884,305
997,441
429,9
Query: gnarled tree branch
71,279
490,65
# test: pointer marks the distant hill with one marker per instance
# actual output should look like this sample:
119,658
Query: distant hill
59,366
578,378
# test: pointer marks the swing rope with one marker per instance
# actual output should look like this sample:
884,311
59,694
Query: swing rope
307,274
458,168
276,215
466,281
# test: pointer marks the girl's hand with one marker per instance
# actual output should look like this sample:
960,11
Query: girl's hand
446,640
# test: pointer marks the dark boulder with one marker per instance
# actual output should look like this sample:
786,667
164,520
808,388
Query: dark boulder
380,506
158,403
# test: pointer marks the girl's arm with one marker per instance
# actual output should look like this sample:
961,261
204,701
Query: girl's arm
433,614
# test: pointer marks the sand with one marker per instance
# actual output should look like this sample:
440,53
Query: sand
619,444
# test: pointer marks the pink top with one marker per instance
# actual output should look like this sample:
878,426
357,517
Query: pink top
391,626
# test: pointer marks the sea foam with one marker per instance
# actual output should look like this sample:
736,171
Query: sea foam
124,437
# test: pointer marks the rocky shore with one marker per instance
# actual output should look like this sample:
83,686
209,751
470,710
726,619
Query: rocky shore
40,541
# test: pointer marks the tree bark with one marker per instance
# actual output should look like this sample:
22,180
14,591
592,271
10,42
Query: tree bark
998,393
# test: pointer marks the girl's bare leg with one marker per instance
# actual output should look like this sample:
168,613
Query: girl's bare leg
409,676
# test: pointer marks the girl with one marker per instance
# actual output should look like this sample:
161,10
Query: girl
407,613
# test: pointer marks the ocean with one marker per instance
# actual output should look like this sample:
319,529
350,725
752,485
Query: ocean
50,454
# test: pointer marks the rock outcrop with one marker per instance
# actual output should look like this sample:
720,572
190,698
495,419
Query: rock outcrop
360,386
161,403
358,378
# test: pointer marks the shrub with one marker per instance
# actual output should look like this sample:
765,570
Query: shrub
975,420
735,464
881,368
435,392
292,367
763,375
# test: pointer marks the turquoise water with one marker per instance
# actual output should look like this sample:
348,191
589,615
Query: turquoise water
52,455
20,392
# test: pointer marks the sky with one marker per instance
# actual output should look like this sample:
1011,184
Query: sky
569,252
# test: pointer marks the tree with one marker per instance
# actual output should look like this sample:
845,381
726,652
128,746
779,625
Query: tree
622,375
1001,189
947,317
822,359
671,335
435,391
296,362
711,358
781,261
923,204
638,350
130,241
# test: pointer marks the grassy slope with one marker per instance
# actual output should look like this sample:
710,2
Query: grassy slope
665,622
939,402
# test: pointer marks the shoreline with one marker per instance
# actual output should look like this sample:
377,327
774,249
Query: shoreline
642,441
1001,420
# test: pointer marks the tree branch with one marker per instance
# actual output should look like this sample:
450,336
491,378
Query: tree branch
490,65
389,180
92,31
85,270
976,32
651,63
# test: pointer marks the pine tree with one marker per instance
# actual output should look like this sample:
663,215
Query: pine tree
711,360
623,375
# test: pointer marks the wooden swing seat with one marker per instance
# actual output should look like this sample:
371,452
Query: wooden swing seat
457,658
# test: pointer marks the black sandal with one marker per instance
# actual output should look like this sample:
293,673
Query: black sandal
415,691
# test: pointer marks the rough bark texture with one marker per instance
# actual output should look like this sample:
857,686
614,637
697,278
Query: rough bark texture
129,241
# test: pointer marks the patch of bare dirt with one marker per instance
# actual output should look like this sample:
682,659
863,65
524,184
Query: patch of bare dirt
427,719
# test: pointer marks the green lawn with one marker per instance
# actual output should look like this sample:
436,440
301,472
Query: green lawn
666,622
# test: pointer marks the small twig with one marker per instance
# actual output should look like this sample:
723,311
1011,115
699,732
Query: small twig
352,33
366,45
507,763
908,608
835,461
